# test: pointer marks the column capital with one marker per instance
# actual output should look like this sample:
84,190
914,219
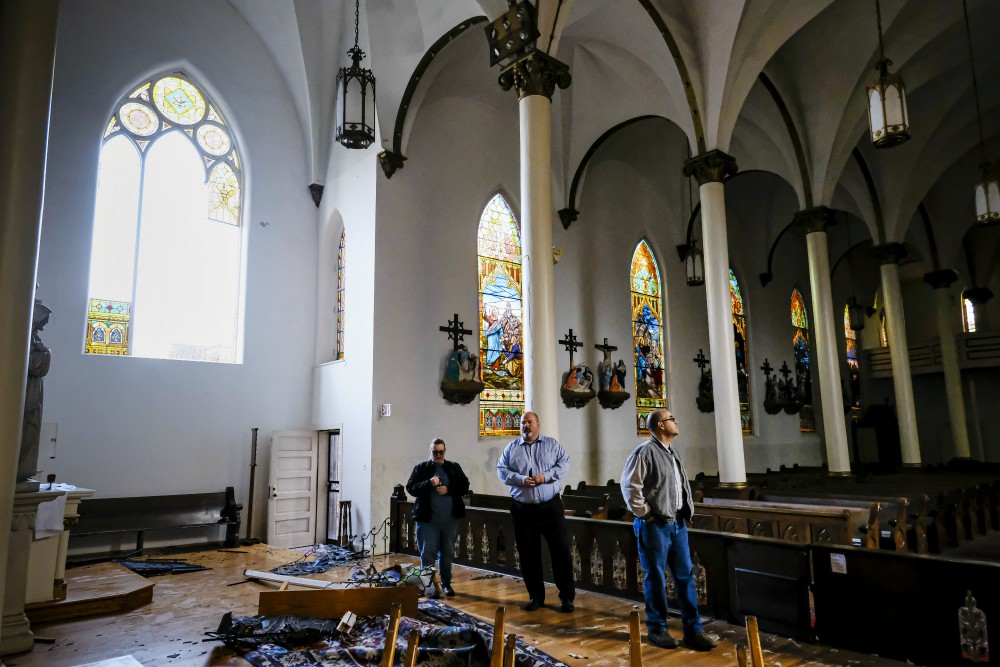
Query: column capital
940,278
816,219
889,253
535,74
711,167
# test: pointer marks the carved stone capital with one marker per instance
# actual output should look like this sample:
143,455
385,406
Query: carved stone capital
940,278
816,219
535,74
316,192
711,167
889,253
390,162
978,295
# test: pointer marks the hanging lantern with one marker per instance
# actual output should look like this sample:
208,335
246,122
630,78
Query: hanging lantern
855,314
888,119
988,195
694,262
355,98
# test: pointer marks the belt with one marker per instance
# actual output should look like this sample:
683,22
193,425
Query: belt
547,502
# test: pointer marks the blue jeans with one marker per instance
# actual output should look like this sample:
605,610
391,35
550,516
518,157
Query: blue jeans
661,545
437,538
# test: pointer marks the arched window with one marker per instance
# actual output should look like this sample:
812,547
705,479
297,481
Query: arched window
742,358
968,314
340,296
502,401
803,372
853,368
166,257
647,334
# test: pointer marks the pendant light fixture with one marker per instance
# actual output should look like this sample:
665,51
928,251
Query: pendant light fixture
888,119
988,184
356,97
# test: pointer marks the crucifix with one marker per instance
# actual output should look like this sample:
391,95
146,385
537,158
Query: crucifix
456,331
606,347
701,360
767,369
785,371
571,344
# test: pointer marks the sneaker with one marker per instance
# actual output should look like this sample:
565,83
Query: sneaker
698,641
663,639
449,591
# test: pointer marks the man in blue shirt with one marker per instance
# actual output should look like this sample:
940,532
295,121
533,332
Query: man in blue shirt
533,466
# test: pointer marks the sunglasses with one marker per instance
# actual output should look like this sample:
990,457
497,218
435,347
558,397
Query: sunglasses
437,451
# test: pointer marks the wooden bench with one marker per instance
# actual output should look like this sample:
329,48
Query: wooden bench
803,524
893,512
616,508
106,516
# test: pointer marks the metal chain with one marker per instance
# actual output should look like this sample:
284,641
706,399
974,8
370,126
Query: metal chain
357,15
878,22
975,85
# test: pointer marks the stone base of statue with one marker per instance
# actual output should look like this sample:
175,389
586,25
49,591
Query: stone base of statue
706,403
612,399
576,399
792,407
27,486
461,391
15,633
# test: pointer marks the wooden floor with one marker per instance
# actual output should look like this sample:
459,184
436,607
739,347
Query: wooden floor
170,630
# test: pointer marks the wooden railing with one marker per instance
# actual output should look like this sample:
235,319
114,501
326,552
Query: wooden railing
979,350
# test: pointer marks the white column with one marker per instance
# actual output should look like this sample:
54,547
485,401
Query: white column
27,49
946,315
541,377
710,169
899,351
827,366
535,78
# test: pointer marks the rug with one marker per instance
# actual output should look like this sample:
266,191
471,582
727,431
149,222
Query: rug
527,655
448,637
324,557
156,568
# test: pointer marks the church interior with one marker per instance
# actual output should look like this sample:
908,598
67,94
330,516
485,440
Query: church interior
701,206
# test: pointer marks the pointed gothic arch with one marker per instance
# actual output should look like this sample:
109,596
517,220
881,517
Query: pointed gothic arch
741,349
500,318
166,258
803,361
646,290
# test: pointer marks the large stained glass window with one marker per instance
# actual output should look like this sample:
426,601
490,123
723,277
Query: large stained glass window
340,296
647,335
968,315
500,342
742,358
803,372
853,368
166,255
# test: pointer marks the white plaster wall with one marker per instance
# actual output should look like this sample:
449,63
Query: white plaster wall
130,426
342,390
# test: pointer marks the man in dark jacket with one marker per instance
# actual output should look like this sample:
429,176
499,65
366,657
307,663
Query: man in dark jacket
438,486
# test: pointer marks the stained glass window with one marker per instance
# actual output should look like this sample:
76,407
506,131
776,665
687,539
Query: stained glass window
340,296
647,335
742,357
853,368
883,330
968,315
500,341
803,371
169,174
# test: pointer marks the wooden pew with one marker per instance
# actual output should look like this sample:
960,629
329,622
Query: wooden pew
106,516
893,512
616,508
803,524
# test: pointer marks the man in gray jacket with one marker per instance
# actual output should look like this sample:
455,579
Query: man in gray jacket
656,489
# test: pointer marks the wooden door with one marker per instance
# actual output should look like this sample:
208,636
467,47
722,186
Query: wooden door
291,502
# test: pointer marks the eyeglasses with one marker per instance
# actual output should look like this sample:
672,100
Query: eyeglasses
670,419
437,451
